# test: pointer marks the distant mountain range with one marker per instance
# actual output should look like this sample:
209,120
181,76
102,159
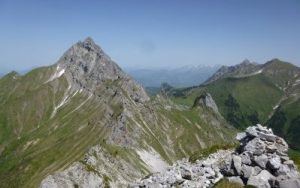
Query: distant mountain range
245,68
249,93
184,76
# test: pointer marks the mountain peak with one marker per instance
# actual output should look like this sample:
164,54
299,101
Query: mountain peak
85,65
245,68
246,61
89,45
89,40
85,60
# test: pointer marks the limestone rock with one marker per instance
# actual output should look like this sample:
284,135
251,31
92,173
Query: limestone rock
203,173
255,146
246,158
236,179
291,183
237,163
275,162
261,180
240,136
262,160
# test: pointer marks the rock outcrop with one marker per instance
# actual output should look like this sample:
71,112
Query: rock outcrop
202,173
206,101
261,160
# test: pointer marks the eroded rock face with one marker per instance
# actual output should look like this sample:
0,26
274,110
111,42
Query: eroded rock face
264,160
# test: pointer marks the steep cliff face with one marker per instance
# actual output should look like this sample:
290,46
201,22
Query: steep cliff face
84,122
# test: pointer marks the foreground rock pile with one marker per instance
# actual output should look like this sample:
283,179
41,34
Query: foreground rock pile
203,173
261,160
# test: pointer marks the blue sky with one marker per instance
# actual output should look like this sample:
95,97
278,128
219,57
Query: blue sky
151,33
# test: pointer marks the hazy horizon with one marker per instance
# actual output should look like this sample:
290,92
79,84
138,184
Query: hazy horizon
140,34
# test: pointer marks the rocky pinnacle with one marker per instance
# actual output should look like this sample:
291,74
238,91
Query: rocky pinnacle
86,66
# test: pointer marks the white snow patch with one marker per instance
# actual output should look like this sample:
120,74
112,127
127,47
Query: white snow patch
64,101
58,73
79,106
257,72
275,107
295,84
66,98
202,144
153,160
74,93
182,150
198,126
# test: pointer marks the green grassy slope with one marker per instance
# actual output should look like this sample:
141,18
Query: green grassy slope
34,144
248,100
286,122
242,101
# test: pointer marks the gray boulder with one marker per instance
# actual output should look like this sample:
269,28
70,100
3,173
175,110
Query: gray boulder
247,171
236,179
261,160
255,146
291,183
251,132
237,163
267,137
274,162
226,168
287,172
185,173
261,180
241,136
246,158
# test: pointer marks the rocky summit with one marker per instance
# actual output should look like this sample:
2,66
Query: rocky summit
260,161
